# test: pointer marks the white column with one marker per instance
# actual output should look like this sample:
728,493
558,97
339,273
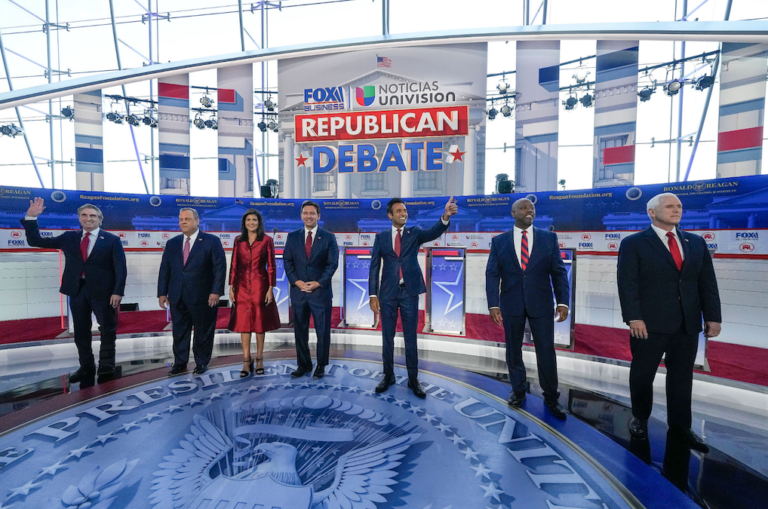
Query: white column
305,175
289,162
343,187
406,184
470,177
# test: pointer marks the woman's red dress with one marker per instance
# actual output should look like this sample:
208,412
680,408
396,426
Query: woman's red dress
251,274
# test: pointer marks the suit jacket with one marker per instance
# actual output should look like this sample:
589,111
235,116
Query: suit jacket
203,274
526,291
653,290
105,269
412,239
321,265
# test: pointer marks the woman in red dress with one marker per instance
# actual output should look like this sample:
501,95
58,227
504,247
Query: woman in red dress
252,277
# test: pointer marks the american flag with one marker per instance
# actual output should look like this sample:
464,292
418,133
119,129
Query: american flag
383,62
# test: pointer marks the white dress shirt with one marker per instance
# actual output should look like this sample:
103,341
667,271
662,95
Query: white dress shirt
314,234
665,240
91,239
192,238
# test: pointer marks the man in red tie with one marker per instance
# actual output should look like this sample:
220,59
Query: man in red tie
667,287
310,258
524,267
94,280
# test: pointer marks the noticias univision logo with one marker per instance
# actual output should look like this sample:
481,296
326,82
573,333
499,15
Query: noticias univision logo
365,95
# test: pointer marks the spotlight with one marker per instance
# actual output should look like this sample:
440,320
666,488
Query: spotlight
117,118
673,87
11,130
272,125
133,120
506,110
269,104
199,123
68,112
149,119
646,93
492,113
570,103
262,126
503,86
206,101
586,100
212,123
704,82
581,75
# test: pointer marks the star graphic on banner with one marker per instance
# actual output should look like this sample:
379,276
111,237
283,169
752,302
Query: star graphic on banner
305,385
355,265
491,491
337,387
366,265
195,401
559,337
443,285
369,392
301,160
24,490
415,409
457,155
103,439
400,402
456,439
353,389
234,392
253,389
287,385
469,454
78,453
453,267
269,386
52,469
481,470
363,301
442,427
127,427
386,397
214,396
150,416
173,408
316,449
428,418
322,385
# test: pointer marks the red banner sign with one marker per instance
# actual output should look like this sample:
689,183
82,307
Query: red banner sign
369,125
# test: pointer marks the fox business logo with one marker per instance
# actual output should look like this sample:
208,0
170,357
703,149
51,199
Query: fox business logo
708,236
16,243
747,247
225,236
46,234
612,236
712,245
144,235
747,235
328,98
124,243
585,245
586,236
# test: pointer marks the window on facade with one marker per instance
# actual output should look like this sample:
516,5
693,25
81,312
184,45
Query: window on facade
323,183
249,174
427,180
608,142
373,182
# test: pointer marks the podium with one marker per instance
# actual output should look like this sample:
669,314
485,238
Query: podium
356,309
282,290
446,290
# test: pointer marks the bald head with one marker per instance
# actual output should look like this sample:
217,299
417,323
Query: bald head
524,213
519,202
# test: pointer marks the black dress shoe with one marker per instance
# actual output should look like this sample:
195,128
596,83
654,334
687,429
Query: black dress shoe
199,370
108,374
695,442
555,408
301,372
319,372
516,400
415,386
105,371
176,369
385,383
638,428
82,375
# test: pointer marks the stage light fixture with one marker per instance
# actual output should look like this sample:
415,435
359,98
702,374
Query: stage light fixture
212,123
206,101
262,126
269,104
587,100
571,102
133,120
492,113
704,82
673,87
646,93
272,125
581,75
506,110
198,122
68,112
11,130
503,87
115,117
149,119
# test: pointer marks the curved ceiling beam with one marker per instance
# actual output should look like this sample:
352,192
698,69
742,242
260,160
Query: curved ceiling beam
716,31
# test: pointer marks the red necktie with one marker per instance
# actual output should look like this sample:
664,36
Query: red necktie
675,250
397,249
84,248
524,250
186,251
308,244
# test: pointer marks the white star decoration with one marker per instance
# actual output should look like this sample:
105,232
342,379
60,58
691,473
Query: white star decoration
481,470
24,490
149,417
442,286
52,469
491,491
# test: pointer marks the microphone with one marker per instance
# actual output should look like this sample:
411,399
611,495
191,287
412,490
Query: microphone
274,230
551,228
359,230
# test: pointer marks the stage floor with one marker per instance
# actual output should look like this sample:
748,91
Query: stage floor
146,440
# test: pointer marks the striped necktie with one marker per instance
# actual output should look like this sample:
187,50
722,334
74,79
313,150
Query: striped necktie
524,250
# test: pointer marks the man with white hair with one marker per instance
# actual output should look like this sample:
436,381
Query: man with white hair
667,286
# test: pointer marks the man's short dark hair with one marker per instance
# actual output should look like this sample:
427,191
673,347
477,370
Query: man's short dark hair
310,203
392,203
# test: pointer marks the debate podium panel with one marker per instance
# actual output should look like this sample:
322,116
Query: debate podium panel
446,290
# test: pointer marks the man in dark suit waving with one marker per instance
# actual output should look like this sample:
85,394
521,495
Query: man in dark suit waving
191,280
94,279
666,286
524,261
401,284
311,257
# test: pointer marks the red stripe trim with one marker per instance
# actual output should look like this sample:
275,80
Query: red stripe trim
227,95
740,139
359,251
619,155
173,91
445,253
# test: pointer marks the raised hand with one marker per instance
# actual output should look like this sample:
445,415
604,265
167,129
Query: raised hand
451,207
36,207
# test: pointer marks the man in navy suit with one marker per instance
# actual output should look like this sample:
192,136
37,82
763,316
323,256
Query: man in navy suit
310,258
667,285
401,284
191,280
94,280
522,263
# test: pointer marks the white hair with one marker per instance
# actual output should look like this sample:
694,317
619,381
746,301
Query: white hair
190,209
655,202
